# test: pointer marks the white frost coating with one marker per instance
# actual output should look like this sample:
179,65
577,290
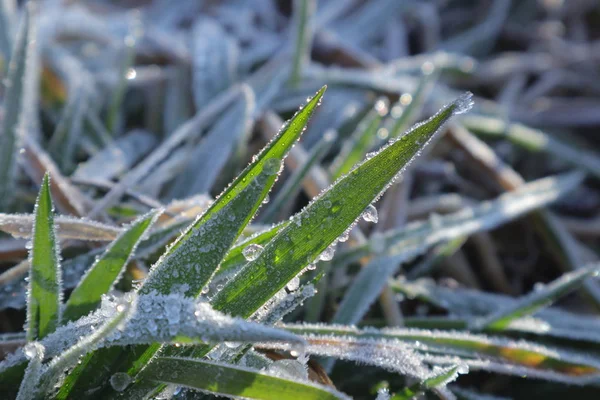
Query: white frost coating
21,225
370,214
157,318
288,369
34,352
282,304
463,103
383,394
441,341
537,299
393,355
252,251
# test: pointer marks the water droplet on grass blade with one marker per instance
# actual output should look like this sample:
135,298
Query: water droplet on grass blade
252,251
120,381
370,214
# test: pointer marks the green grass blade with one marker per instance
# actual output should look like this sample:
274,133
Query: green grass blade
195,256
537,299
233,380
107,269
303,11
113,115
316,227
44,294
13,110
476,351
292,185
417,237
442,378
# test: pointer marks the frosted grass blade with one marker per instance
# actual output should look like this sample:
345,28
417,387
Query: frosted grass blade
445,376
416,238
360,143
13,108
113,114
537,299
7,12
233,380
293,184
533,140
195,256
28,390
318,225
45,292
303,12
518,357
68,130
20,225
191,261
105,272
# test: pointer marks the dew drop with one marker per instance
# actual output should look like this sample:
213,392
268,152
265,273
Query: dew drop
327,254
252,251
370,214
120,381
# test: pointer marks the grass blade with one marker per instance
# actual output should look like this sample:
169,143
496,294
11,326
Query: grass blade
537,299
303,12
360,143
13,109
34,351
20,226
442,378
292,185
477,351
197,253
233,380
7,11
107,269
533,140
44,294
335,210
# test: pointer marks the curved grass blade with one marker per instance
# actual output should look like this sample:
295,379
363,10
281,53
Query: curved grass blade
477,351
13,108
292,185
318,225
441,378
106,271
234,380
44,294
195,256
537,299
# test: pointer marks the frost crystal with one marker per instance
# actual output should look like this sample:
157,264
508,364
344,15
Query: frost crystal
370,214
252,251
272,166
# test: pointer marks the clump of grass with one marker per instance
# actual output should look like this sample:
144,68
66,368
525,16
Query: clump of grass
166,271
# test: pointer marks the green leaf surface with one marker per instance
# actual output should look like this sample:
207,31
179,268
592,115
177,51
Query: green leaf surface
442,378
105,272
44,295
233,380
